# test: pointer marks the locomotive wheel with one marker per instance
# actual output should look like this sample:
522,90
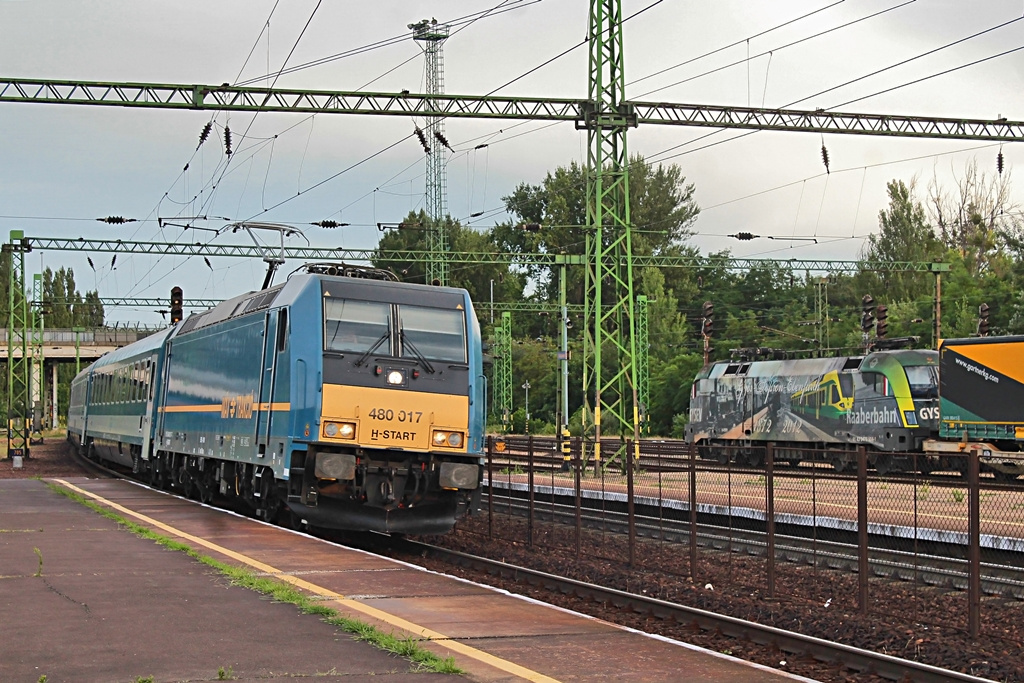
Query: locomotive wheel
883,464
205,493
188,487
839,463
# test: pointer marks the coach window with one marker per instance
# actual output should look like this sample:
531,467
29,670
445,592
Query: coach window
356,326
436,333
136,380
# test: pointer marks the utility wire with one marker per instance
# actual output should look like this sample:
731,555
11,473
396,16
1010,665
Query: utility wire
738,42
874,73
463,22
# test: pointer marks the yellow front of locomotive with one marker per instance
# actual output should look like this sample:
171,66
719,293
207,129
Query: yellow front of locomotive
394,449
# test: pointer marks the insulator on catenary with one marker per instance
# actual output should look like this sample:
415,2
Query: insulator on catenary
443,140
113,261
227,141
824,158
207,261
116,220
744,236
423,139
205,134
330,224
91,265
999,162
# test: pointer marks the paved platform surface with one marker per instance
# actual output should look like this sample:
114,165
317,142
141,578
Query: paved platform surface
81,599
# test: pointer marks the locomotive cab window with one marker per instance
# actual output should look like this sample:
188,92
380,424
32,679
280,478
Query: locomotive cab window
435,333
356,326
924,381
878,382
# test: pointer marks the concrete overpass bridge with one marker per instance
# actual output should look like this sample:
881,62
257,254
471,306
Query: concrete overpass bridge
78,346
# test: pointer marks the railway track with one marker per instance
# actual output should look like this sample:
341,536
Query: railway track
673,456
794,644
946,571
924,569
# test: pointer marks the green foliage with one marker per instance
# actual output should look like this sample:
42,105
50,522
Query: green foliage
904,235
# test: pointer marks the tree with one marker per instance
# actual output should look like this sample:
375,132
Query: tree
480,279
662,210
904,235
65,308
977,218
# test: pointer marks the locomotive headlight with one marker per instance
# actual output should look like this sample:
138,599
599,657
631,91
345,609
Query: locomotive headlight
447,439
339,430
396,377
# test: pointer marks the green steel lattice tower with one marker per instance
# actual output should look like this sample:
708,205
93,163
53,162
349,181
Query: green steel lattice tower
643,368
610,372
433,36
19,327
503,370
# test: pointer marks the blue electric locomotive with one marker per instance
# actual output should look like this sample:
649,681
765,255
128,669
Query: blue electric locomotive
348,401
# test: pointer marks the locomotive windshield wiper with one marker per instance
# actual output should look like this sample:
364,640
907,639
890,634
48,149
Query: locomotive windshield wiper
407,343
366,354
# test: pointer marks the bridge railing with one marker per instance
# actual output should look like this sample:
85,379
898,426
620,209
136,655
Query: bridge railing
93,336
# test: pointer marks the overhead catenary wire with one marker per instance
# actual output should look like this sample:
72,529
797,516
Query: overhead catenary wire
298,185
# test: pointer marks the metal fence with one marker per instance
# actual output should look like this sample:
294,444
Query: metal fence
942,548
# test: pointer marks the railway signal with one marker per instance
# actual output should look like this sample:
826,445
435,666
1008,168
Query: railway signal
882,321
708,325
867,316
707,328
983,320
177,300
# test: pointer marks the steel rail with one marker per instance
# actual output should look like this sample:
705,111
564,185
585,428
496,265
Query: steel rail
857,659
930,570
886,666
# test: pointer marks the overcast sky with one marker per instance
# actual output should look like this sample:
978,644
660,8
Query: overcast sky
62,166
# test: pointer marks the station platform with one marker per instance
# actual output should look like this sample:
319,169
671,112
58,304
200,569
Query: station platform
83,599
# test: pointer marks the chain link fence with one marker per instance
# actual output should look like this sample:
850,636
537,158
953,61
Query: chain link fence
826,528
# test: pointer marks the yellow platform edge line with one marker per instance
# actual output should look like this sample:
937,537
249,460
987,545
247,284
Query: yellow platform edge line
353,605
